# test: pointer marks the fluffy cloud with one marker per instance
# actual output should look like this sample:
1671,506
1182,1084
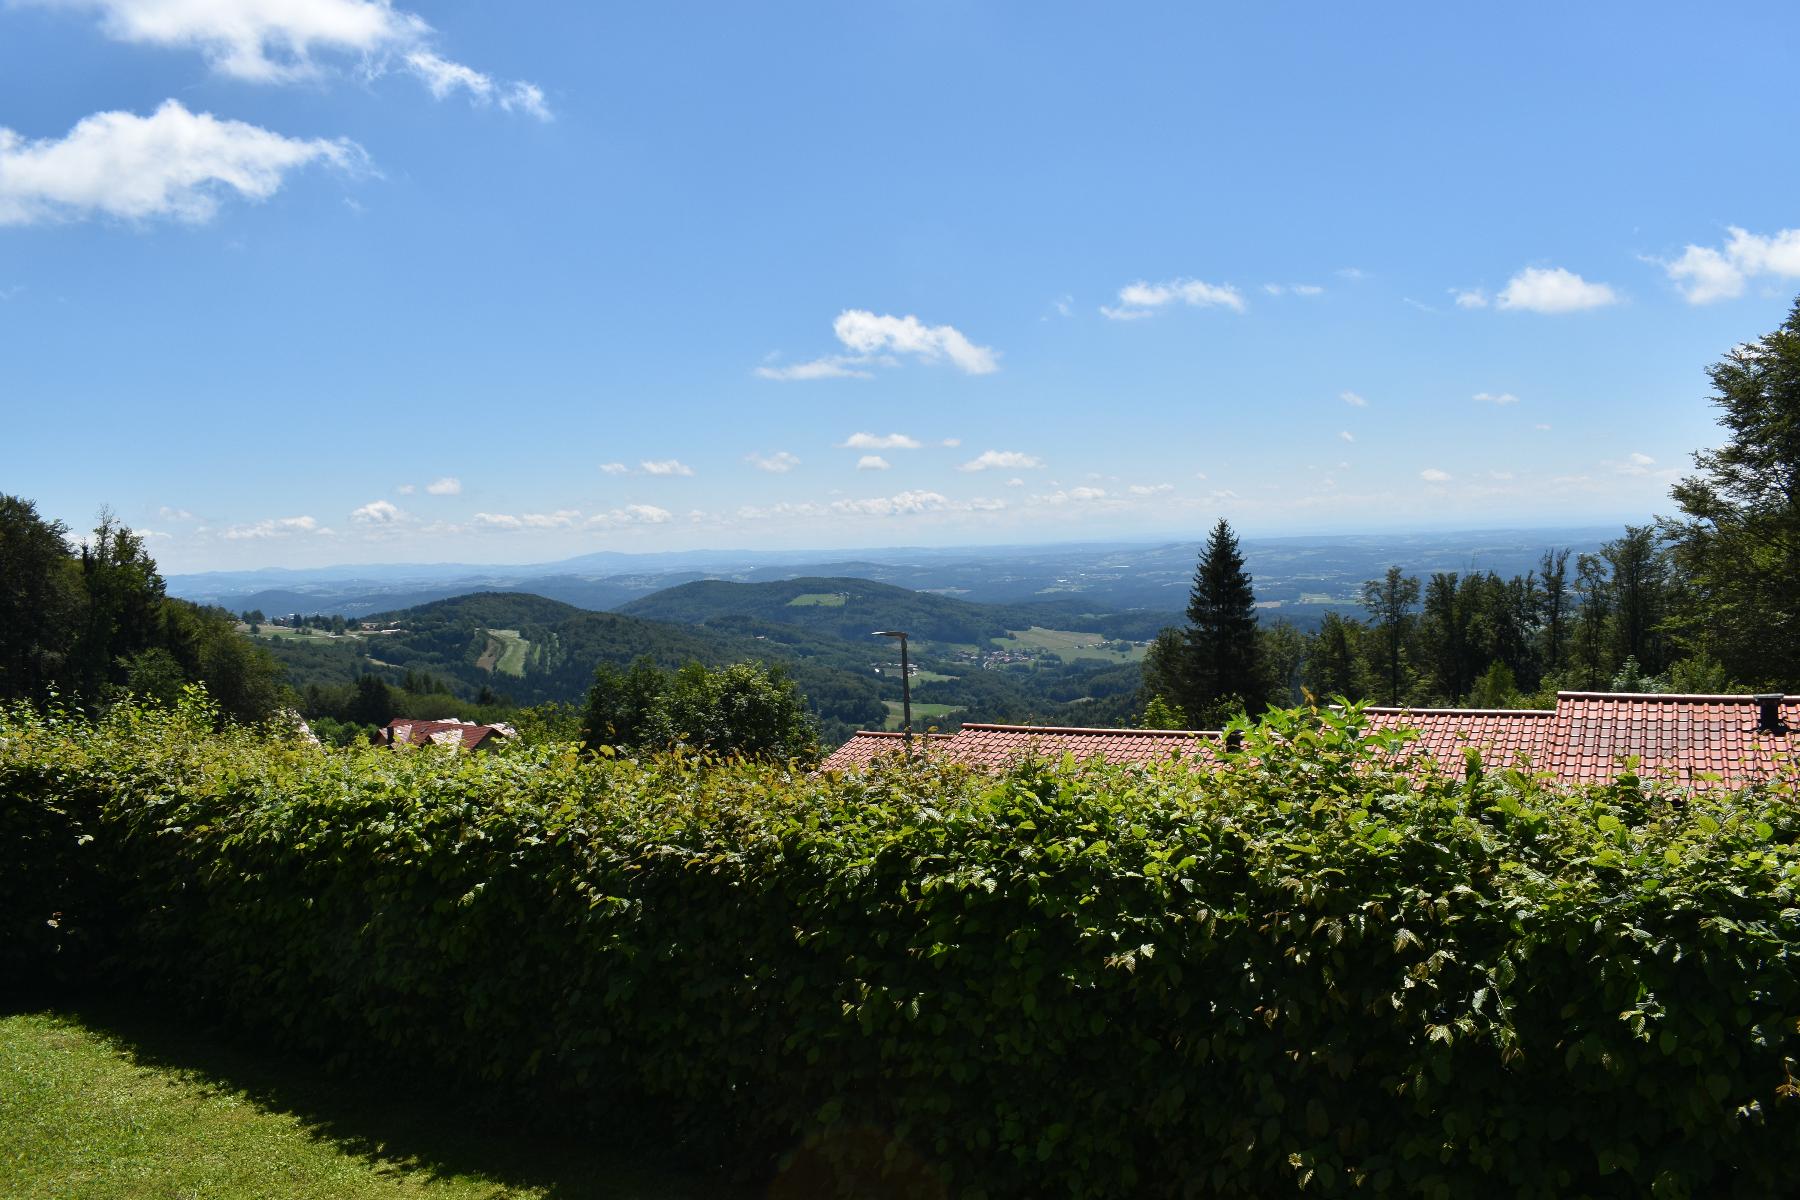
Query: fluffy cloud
911,504
1002,460
1433,475
1151,489
172,163
562,518
1140,299
1495,398
615,468
1298,289
449,485
872,462
278,527
1634,464
1704,274
778,463
879,441
665,466
378,512
275,41
1470,297
883,340
631,514
174,514
1353,400
1554,290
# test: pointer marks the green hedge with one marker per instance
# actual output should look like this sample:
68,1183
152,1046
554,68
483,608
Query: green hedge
1300,972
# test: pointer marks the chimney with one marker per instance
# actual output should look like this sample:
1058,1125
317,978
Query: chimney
1768,719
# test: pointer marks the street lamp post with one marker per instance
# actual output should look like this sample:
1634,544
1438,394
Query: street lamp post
905,686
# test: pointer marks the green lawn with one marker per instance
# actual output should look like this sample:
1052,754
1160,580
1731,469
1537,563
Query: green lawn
1067,645
923,714
102,1109
512,653
818,600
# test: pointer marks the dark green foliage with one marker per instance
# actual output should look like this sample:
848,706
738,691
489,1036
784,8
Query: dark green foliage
1390,601
1221,668
1739,541
745,710
1296,972
91,624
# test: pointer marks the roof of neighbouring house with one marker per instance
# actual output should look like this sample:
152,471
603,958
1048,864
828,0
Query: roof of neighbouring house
466,735
1590,737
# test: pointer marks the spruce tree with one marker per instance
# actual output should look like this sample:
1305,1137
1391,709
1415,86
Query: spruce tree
1223,671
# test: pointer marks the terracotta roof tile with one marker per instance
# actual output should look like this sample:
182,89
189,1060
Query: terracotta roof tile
868,745
996,747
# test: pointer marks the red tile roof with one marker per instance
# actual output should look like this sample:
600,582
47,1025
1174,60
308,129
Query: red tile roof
867,745
1587,738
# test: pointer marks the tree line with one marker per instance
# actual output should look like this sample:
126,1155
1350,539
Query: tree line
1705,601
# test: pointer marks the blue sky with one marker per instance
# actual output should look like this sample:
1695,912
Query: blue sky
305,281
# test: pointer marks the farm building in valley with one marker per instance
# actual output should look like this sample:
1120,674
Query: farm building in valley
402,732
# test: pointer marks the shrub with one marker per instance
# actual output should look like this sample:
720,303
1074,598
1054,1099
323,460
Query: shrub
1301,970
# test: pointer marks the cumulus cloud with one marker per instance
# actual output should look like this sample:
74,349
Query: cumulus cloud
406,489
631,514
562,518
277,527
1151,489
1705,274
174,514
1141,299
879,441
1635,464
449,485
665,466
872,462
1554,290
1495,398
1074,495
1433,475
615,468
778,463
1002,460
378,512
883,340
280,41
173,164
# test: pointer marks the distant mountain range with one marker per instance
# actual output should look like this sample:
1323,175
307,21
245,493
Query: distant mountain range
1296,577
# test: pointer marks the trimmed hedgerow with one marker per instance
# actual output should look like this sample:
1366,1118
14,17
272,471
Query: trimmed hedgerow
1302,970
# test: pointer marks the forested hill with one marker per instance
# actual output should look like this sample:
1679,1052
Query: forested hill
529,649
852,609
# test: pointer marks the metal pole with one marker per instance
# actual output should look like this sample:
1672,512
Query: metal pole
905,696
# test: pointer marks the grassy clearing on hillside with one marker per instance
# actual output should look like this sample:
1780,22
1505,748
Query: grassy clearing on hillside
923,714
512,652
100,1110
818,600
1068,645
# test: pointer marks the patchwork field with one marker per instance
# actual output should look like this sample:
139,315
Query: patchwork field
818,600
1070,645
923,714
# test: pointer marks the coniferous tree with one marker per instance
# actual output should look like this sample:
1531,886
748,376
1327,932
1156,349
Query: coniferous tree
1390,601
1221,652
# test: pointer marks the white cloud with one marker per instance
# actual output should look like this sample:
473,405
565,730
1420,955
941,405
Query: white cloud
872,462
879,441
865,333
1705,274
778,463
1307,289
665,466
275,41
482,520
172,163
1470,297
951,443
1554,290
876,341
1635,464
904,504
562,518
1011,460
615,468
1346,435
1140,299
1150,489
406,489
449,485
1433,475
1074,495
1353,400
631,514
1495,398
832,367
278,527
174,514
378,512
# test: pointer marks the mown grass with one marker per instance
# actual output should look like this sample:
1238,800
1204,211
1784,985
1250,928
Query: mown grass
102,1107
923,714
1067,644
